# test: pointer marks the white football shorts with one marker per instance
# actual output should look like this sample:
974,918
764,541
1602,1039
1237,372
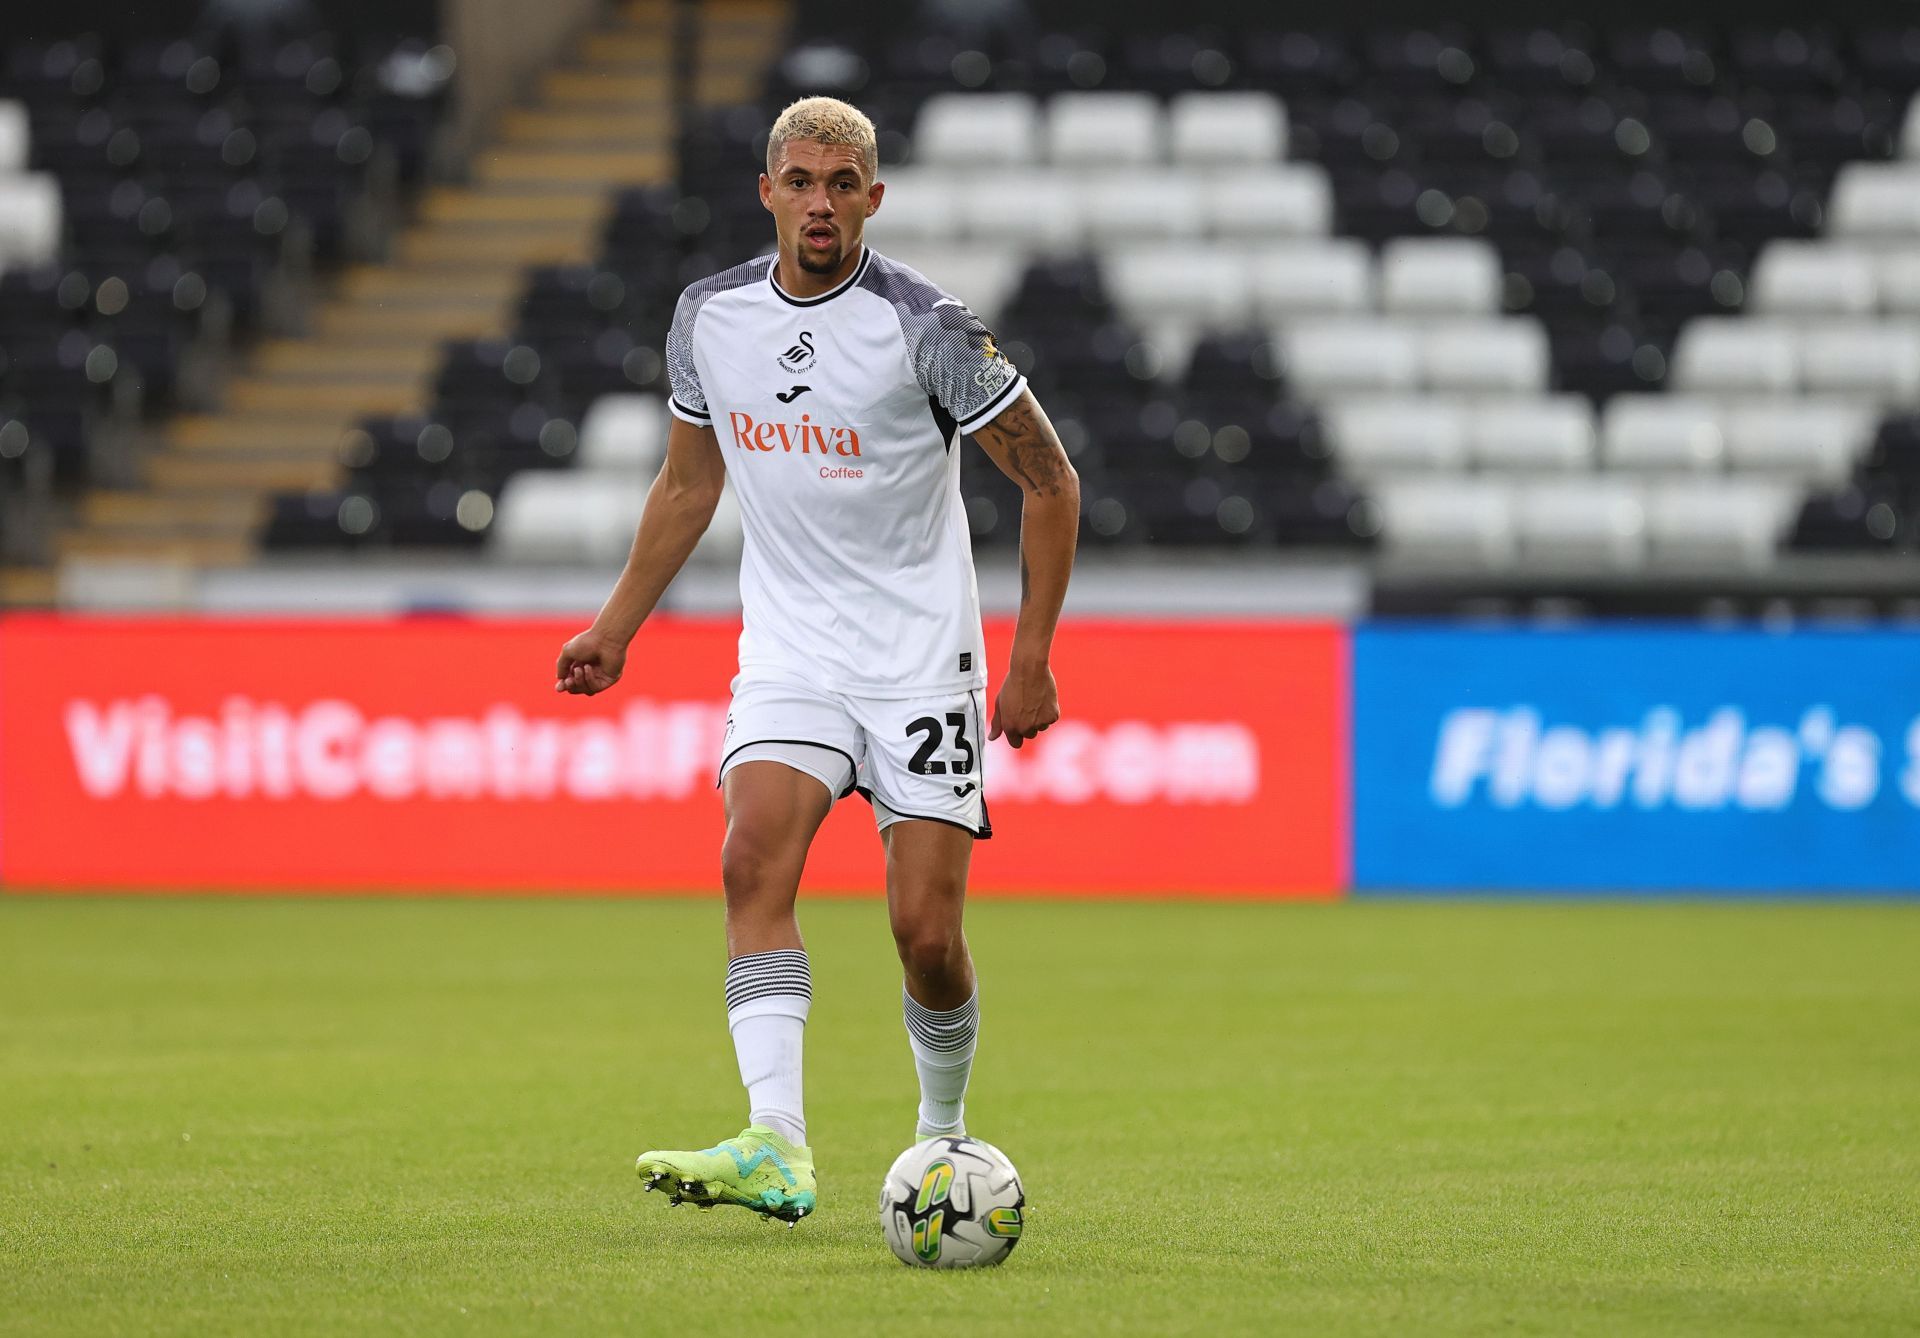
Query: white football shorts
912,758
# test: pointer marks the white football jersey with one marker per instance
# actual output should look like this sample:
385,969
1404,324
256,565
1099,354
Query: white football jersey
838,417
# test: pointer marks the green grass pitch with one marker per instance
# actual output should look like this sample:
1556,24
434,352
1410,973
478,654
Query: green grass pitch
293,1117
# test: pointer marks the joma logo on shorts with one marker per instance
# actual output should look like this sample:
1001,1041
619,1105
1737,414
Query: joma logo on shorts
805,436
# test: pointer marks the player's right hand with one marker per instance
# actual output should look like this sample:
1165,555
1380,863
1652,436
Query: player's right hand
589,663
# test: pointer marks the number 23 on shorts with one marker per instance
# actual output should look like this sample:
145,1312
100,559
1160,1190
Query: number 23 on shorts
932,732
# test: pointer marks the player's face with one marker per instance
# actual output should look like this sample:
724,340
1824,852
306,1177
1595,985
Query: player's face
820,198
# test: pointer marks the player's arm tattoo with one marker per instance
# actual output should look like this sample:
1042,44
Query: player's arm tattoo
1022,442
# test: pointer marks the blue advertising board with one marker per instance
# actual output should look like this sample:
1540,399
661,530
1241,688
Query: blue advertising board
1669,760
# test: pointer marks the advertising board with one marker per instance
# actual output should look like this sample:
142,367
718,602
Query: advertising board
433,754
1682,759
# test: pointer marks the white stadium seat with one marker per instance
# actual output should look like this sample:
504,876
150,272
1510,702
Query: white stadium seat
1718,522
565,516
14,138
922,203
1535,433
1311,278
1812,278
1048,219
1210,128
1290,199
1725,354
1380,436
1879,359
984,277
1581,523
1806,439
1899,280
1328,357
1096,129
1130,206
1485,355
1876,201
1663,432
977,130
29,219
1440,276
584,517
624,434
1181,282
1447,520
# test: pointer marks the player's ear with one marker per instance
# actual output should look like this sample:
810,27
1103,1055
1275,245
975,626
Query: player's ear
766,192
874,192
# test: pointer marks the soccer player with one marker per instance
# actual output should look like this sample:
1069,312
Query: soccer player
831,385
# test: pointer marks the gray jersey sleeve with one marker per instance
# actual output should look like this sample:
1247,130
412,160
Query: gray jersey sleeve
954,357
683,379
683,376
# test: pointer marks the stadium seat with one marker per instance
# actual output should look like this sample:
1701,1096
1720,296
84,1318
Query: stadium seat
920,204
1898,281
1799,438
1809,278
1329,357
1726,355
1448,521
1719,522
1585,524
1189,282
14,138
1118,206
624,434
1097,129
1876,201
1485,355
1310,278
566,516
1440,276
1662,432
554,517
1878,359
30,218
977,130
1381,436
1288,200
1049,219
1226,128
1536,434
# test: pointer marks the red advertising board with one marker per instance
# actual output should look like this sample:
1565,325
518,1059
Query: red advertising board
432,754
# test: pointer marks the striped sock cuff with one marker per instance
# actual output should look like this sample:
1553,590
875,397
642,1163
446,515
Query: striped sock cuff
942,1032
764,973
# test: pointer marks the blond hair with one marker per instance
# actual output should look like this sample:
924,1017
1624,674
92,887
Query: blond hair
825,121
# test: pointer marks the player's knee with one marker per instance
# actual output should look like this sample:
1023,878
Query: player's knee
752,866
930,952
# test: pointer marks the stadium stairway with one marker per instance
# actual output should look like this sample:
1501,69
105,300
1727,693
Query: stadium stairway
536,196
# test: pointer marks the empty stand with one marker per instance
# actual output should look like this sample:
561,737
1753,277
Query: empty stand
1622,300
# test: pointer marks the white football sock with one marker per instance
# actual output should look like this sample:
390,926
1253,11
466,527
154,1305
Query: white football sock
768,994
943,1046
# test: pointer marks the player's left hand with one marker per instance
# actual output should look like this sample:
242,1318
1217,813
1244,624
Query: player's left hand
1029,701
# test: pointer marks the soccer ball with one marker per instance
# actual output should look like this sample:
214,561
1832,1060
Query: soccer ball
952,1203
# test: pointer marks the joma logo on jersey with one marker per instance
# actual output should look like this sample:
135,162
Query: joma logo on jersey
806,436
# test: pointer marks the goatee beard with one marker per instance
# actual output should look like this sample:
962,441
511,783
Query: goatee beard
813,262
